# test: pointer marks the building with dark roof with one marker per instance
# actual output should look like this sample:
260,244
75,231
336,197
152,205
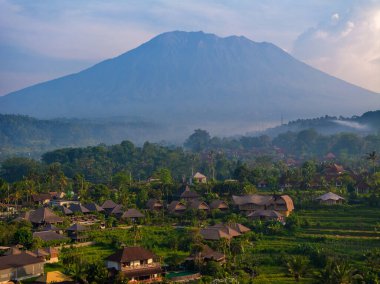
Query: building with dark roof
253,202
77,232
132,214
154,205
108,205
78,208
189,195
135,263
48,236
43,216
20,266
93,207
219,205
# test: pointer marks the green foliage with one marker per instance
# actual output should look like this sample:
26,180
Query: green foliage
24,236
198,141
297,266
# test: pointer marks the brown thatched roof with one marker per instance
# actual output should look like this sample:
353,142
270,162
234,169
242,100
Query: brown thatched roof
239,228
189,194
210,254
227,229
129,254
198,205
49,227
44,215
271,214
176,206
132,213
48,236
93,207
252,199
214,234
153,204
288,202
66,210
109,204
218,204
117,210
77,228
78,208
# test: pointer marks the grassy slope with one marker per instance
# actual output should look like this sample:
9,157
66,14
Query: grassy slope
345,231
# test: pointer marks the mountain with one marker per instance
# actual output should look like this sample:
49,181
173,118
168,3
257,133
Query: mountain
194,79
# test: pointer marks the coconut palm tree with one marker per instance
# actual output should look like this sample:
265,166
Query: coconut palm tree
297,266
372,157
337,272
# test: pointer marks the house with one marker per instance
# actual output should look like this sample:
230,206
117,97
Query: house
108,205
41,198
214,234
330,198
199,178
49,255
207,254
20,266
117,211
78,208
93,207
249,203
189,195
219,205
48,236
362,187
176,207
227,231
51,227
77,232
198,205
132,214
253,202
43,216
137,264
154,205
239,228
66,210
266,215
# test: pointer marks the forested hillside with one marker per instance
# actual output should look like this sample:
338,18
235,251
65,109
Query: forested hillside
26,135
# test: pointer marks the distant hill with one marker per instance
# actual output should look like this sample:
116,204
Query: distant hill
368,123
23,134
193,79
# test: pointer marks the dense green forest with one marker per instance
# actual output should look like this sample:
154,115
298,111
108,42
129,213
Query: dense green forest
30,137
23,135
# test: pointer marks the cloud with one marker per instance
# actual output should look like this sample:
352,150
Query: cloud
347,45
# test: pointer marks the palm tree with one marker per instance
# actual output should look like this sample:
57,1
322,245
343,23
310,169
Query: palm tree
373,157
297,266
224,245
337,272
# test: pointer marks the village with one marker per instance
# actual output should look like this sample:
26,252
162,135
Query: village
204,234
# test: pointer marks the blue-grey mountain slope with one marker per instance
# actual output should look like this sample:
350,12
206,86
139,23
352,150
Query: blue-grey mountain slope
194,78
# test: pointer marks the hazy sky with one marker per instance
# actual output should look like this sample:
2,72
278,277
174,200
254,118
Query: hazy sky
42,40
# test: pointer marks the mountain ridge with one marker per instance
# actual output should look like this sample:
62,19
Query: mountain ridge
195,78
